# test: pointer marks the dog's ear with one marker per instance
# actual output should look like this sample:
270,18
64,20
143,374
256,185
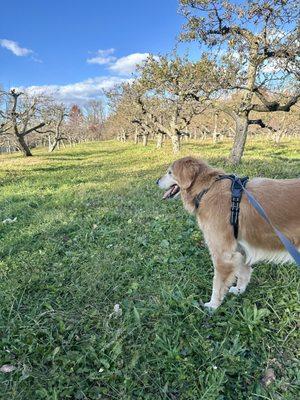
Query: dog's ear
186,170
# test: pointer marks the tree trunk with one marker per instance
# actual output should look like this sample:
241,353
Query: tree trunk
24,146
49,143
123,137
215,132
53,146
175,143
136,137
241,131
242,118
159,141
145,140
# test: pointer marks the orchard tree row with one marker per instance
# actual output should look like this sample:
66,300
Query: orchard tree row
249,70
28,121
246,79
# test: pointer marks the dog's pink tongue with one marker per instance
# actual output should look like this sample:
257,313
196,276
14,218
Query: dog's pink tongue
167,193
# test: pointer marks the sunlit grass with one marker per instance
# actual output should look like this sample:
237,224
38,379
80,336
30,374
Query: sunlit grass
92,232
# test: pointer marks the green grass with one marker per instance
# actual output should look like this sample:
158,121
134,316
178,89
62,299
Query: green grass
92,232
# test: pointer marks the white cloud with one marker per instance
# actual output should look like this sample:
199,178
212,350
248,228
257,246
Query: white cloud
122,66
127,65
78,92
100,60
15,48
103,57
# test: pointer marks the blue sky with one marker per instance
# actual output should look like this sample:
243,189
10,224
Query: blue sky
76,47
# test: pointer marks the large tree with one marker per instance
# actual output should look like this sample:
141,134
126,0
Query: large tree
20,117
170,92
257,45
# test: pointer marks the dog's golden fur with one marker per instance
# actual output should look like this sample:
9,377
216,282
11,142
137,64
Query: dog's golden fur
232,258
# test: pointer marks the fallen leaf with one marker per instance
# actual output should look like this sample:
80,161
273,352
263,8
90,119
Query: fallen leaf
9,220
117,309
7,368
268,377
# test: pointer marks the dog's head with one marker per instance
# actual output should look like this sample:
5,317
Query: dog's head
180,176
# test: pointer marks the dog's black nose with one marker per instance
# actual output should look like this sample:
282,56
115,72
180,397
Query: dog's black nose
157,182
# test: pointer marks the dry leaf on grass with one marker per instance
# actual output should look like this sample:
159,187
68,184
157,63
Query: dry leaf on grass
6,368
268,377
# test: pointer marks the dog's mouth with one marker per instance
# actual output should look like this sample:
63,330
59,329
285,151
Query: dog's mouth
171,192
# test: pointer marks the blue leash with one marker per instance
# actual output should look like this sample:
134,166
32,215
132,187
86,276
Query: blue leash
284,240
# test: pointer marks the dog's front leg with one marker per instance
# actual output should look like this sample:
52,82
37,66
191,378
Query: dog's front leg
224,276
243,278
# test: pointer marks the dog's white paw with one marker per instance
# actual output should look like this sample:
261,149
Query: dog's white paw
234,290
210,305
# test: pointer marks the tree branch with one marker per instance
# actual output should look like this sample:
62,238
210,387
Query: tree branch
272,106
32,129
261,124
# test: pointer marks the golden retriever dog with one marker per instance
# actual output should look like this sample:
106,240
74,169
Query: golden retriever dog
256,241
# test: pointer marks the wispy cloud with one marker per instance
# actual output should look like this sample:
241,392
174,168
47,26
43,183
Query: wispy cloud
15,48
79,92
103,57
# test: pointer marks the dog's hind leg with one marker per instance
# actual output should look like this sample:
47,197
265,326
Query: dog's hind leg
244,272
225,265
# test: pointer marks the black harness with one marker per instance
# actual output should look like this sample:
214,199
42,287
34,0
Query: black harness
236,196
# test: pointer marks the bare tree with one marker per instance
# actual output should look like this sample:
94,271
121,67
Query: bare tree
94,118
54,115
20,117
258,45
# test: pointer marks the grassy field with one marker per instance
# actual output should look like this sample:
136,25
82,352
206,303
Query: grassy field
91,233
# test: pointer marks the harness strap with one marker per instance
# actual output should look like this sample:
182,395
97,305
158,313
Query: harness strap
236,195
199,196
237,186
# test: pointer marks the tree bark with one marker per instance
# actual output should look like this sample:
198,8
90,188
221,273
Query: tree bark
242,117
53,146
136,136
123,137
23,146
175,143
242,124
215,132
159,140
145,140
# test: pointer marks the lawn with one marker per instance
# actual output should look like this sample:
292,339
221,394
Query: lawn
102,284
